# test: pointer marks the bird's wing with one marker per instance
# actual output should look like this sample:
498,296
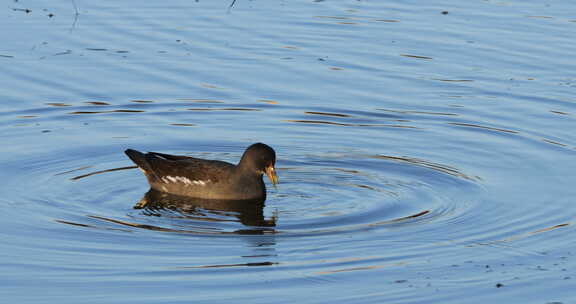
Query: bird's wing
193,169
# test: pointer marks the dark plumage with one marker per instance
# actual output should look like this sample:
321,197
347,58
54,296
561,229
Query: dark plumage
209,179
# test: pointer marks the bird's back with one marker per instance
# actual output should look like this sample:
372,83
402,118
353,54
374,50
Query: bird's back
189,176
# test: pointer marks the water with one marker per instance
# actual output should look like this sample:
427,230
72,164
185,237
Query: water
425,151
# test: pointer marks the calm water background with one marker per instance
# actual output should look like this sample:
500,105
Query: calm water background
426,150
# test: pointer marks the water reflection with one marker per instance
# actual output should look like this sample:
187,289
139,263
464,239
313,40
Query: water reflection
249,213
194,216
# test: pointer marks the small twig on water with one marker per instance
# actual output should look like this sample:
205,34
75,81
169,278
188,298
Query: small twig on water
75,7
231,5
77,13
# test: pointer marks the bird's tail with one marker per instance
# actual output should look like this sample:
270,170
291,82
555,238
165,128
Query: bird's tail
138,158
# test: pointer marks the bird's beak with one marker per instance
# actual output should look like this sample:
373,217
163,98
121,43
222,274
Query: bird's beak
271,173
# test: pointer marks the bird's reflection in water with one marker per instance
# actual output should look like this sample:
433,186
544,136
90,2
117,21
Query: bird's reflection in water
249,213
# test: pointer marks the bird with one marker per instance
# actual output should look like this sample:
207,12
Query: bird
209,179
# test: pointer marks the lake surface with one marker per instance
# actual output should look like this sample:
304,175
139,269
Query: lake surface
426,151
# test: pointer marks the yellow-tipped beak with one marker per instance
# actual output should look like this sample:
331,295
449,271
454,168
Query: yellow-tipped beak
271,173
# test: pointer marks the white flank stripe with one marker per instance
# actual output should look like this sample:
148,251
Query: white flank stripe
182,179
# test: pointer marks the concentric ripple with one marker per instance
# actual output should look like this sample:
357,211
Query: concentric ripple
340,210
318,194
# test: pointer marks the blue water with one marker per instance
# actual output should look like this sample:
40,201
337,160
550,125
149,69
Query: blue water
425,151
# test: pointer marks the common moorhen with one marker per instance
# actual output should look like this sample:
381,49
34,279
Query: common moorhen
209,179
